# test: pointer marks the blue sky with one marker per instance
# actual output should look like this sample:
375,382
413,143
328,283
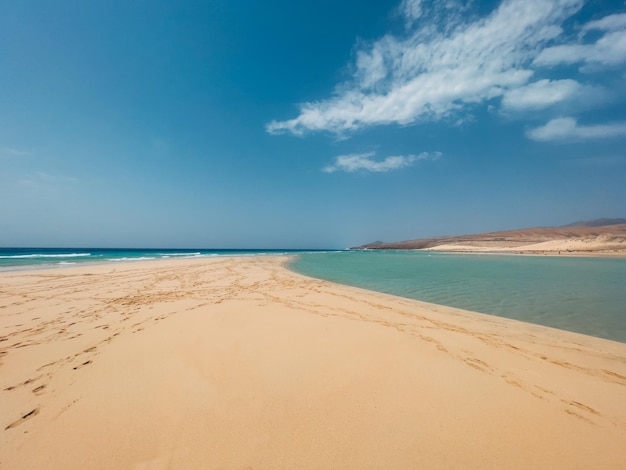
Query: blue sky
309,124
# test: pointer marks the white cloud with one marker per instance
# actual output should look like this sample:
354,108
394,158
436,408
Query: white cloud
608,50
566,128
443,66
363,161
608,23
440,14
540,94
411,10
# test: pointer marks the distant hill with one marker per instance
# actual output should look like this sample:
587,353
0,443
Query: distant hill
596,223
600,235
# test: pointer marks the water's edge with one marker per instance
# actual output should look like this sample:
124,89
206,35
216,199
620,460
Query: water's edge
583,295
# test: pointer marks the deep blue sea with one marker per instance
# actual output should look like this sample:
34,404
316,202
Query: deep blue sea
585,295
13,259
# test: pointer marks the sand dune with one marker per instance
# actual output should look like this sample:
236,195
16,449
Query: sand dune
239,363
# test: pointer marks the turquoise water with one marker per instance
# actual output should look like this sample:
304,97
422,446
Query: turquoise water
585,295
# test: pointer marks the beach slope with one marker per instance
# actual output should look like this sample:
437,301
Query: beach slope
240,363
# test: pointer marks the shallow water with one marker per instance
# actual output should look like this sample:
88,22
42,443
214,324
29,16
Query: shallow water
584,295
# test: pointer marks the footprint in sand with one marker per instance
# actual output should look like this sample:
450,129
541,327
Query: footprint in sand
477,364
26,382
23,419
580,407
83,364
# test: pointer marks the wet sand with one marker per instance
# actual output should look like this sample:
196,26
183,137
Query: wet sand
239,363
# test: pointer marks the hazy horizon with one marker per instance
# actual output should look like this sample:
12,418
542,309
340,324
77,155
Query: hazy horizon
292,248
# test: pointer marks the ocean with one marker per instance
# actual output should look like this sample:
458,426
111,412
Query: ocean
18,259
580,294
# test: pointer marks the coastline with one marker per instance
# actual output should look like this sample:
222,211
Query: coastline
557,254
235,362
525,251
459,250
586,239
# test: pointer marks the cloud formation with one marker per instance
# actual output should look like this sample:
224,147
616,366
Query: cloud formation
411,10
608,23
540,94
608,50
445,64
364,161
567,128
449,61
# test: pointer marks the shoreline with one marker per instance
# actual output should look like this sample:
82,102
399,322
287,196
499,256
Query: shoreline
132,364
291,256
504,252
470,250
616,255
286,259
526,252
162,257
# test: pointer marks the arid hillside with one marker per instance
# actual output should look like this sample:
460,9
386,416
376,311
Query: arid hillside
569,239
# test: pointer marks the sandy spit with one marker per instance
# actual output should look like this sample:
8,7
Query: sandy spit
569,247
237,363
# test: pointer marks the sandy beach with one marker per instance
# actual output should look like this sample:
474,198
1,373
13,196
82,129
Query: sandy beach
567,247
233,363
